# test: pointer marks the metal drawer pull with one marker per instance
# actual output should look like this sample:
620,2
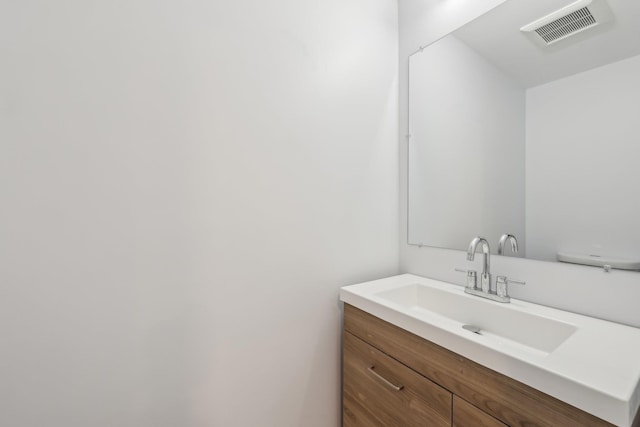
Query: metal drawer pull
384,380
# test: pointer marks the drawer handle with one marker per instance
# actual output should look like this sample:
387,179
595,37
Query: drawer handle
384,380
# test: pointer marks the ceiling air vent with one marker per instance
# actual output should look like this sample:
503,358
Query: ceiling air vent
568,21
573,23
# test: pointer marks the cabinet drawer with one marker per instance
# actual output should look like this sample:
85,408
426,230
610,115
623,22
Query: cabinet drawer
379,391
467,415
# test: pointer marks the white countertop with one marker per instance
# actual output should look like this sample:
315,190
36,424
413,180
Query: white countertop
596,369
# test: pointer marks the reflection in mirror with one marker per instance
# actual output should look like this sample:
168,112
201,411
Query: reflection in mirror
509,135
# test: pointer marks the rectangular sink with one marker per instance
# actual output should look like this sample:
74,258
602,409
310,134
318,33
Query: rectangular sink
589,363
496,321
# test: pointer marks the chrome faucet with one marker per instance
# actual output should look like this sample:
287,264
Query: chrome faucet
501,293
503,241
485,279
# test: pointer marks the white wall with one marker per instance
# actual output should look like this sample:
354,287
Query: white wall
596,133
185,186
466,152
580,289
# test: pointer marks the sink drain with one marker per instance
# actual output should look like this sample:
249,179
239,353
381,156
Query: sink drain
472,328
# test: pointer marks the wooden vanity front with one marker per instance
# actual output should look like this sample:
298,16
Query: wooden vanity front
392,377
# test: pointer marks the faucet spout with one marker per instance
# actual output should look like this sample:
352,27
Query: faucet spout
503,241
471,252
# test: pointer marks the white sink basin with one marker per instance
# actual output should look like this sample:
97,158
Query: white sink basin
589,363
497,322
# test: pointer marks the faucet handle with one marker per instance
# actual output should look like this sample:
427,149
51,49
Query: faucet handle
501,285
472,277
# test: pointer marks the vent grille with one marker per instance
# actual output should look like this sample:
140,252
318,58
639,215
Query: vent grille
566,26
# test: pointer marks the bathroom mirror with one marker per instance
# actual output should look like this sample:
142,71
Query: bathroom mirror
512,133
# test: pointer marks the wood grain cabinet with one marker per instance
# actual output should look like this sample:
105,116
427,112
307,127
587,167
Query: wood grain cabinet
394,378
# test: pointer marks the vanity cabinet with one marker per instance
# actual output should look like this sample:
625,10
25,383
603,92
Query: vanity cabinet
438,387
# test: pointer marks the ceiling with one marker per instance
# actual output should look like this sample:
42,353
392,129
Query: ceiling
496,36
